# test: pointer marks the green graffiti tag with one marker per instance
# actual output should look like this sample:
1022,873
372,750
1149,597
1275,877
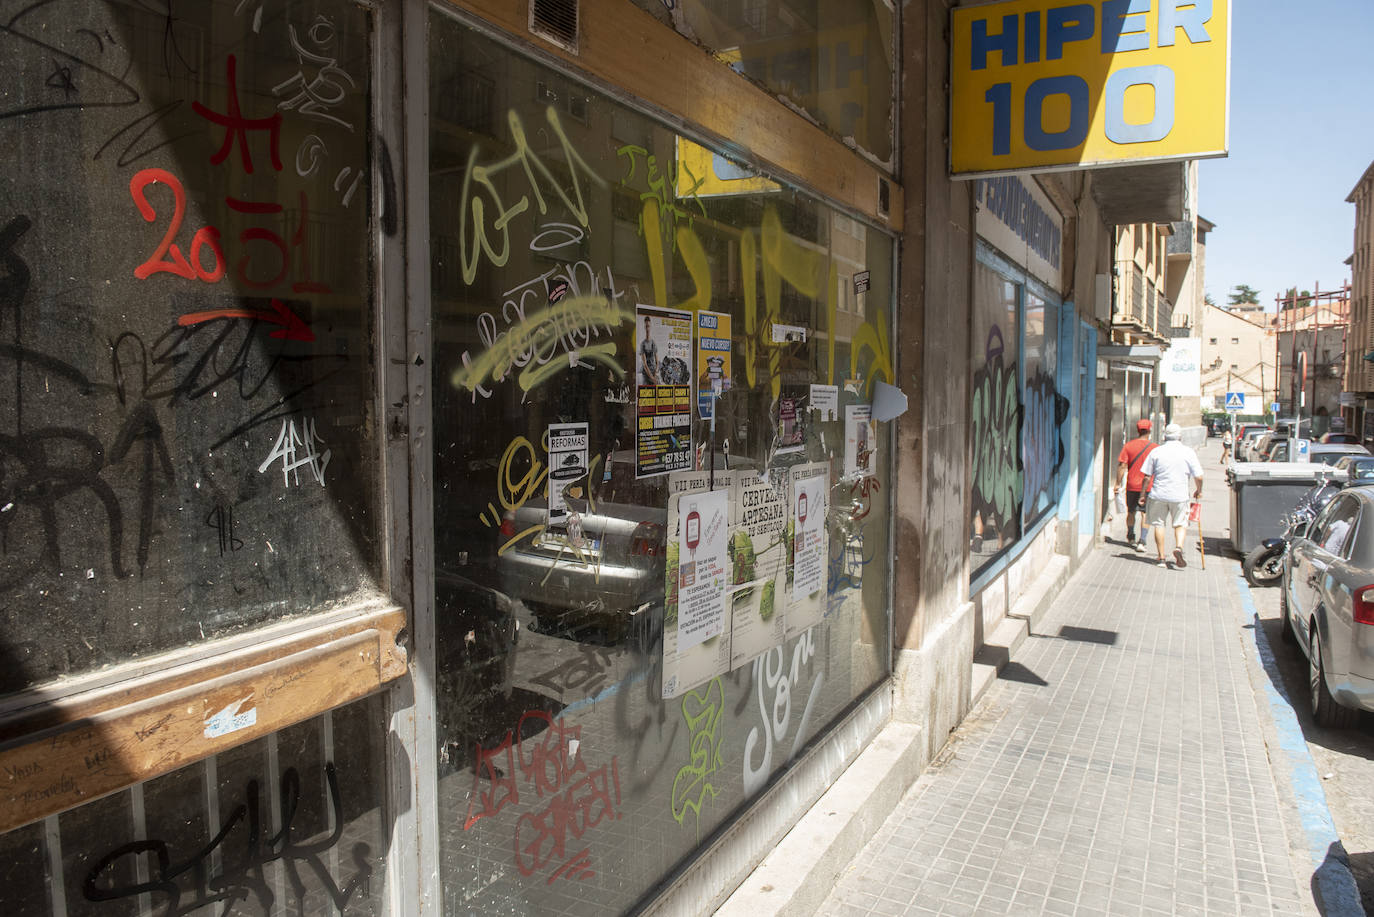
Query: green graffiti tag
692,785
997,471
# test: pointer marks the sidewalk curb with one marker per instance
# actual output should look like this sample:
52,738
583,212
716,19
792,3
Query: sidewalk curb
1333,884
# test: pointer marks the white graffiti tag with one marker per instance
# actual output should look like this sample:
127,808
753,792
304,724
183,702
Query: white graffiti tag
768,674
298,451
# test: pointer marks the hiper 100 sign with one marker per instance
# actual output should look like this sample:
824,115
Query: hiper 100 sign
1044,85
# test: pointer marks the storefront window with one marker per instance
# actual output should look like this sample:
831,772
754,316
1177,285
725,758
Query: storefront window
186,311
833,58
661,508
998,478
1045,409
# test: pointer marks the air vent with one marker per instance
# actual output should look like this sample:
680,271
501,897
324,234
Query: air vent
555,20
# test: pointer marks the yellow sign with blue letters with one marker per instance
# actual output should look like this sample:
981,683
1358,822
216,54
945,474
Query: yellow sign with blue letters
1047,85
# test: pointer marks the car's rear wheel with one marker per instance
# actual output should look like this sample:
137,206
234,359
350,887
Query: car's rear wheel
1325,710
1285,621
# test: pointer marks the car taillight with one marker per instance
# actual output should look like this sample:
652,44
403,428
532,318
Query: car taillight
1364,605
647,540
507,527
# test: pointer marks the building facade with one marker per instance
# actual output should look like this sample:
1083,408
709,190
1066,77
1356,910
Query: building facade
1359,368
1238,355
456,459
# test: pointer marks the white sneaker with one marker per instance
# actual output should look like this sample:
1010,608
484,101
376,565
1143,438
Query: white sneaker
1140,547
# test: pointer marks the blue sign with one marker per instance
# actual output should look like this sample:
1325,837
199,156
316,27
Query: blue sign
1235,401
1274,407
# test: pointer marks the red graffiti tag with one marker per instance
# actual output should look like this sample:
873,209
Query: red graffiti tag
550,763
293,328
236,126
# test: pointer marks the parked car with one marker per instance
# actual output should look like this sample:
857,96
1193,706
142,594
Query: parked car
1330,453
1349,438
1357,467
1261,446
1244,433
1326,606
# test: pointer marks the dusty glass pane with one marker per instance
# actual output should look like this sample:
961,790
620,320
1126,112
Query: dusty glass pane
995,521
832,58
590,293
290,824
186,446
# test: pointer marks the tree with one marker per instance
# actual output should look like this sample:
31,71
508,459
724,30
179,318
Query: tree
1242,293
1209,300
1302,299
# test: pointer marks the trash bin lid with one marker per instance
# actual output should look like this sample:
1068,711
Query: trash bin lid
1253,472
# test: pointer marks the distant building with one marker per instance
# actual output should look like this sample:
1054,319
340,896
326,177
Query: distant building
1237,356
1359,370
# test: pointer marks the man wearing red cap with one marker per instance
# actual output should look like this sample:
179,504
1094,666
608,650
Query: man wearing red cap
1128,465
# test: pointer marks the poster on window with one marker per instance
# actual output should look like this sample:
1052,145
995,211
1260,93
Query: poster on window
760,532
860,437
567,467
689,665
713,360
791,424
703,568
663,391
806,578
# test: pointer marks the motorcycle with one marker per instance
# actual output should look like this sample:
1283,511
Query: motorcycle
1264,565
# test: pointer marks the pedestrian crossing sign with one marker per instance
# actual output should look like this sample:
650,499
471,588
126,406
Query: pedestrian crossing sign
1235,401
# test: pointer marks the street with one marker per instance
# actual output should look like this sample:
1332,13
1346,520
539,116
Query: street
1344,757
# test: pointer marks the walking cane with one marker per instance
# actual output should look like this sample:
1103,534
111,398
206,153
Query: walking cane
1195,515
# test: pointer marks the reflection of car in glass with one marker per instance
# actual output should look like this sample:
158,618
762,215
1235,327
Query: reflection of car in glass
1357,467
602,572
1327,606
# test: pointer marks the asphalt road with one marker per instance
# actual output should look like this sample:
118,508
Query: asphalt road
1344,757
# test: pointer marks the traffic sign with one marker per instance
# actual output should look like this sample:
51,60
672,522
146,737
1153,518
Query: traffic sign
1273,407
1235,401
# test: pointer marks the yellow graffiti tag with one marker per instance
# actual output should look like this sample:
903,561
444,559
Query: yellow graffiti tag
693,785
476,241
541,333
873,338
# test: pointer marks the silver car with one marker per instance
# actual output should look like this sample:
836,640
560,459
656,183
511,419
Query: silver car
1327,606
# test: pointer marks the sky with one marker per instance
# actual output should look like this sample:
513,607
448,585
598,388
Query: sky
1301,136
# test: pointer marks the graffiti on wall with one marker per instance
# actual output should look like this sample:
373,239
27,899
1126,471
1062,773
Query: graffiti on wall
232,867
998,482
692,785
776,689
543,756
1043,449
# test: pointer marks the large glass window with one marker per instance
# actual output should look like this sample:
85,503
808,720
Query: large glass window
186,447
998,478
832,58
1045,409
661,506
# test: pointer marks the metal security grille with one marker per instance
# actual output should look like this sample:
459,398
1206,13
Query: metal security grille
556,20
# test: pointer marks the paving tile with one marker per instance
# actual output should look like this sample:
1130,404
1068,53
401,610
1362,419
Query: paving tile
1135,782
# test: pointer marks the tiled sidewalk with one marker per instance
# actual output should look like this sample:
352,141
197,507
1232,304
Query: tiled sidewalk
1117,767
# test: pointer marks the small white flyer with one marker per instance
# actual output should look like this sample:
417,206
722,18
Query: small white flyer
860,439
826,399
567,465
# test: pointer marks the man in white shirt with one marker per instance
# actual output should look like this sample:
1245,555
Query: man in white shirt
1172,468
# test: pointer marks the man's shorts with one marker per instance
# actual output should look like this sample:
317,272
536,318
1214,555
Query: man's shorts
1166,513
1135,501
